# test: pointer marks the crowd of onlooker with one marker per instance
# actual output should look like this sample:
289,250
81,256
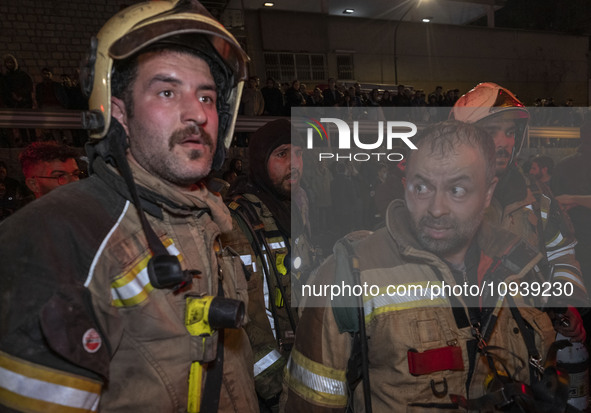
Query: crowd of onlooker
18,91
276,98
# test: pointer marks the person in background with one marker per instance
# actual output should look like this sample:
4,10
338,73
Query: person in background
271,234
520,206
49,165
12,194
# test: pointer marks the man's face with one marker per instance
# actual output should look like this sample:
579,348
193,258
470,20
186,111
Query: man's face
446,197
535,171
9,64
503,132
173,130
284,167
49,175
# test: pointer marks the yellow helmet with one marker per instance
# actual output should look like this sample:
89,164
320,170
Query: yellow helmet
162,21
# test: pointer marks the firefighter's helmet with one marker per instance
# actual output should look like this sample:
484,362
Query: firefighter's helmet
487,100
184,22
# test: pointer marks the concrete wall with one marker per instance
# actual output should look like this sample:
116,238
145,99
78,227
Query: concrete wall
532,64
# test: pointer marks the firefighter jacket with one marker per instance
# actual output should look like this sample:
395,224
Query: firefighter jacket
81,326
271,327
520,206
420,346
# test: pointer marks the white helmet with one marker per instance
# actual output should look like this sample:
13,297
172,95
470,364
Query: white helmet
184,22
487,100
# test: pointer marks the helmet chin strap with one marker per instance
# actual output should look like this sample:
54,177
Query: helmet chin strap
164,269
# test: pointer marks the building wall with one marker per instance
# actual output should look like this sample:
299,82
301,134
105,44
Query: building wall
52,33
532,64
55,33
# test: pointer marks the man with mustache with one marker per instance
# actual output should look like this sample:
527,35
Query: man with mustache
278,251
117,294
426,351
520,206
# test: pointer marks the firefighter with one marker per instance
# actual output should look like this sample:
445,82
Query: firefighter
270,210
117,294
413,347
520,206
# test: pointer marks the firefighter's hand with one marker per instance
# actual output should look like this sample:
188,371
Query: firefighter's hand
570,324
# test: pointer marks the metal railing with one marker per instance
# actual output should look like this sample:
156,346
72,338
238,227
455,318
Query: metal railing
72,119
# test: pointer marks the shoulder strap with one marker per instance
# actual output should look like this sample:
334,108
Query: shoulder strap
350,317
345,309
245,211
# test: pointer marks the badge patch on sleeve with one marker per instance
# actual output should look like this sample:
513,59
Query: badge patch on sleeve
91,340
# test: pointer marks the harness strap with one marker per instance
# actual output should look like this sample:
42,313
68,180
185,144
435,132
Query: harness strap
243,208
213,380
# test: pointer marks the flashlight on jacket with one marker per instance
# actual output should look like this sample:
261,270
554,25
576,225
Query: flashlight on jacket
206,314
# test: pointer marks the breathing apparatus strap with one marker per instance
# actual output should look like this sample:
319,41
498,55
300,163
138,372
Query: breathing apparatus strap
118,150
244,210
215,372
534,358
350,317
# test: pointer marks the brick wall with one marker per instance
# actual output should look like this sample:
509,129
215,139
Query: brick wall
52,33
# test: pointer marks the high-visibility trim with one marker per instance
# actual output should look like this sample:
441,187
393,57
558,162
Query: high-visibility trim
562,274
277,245
555,241
104,244
543,213
315,382
246,259
267,361
418,294
25,386
566,250
133,287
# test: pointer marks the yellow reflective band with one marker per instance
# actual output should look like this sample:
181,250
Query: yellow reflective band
315,382
412,295
133,287
265,362
25,386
